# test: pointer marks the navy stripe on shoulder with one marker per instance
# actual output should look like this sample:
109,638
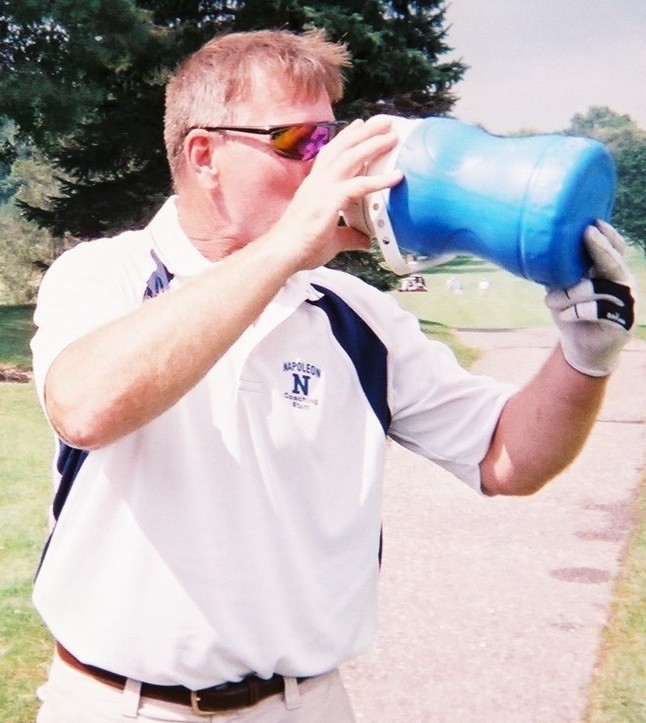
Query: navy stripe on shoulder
367,352
159,279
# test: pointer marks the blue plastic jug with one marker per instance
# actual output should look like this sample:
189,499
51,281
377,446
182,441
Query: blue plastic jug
520,202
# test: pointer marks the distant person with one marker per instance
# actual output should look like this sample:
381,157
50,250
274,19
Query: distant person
483,287
222,403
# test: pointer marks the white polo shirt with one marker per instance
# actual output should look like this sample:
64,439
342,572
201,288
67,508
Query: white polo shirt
238,532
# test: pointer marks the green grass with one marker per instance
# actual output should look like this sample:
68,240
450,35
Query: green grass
510,302
618,691
25,459
15,331
466,355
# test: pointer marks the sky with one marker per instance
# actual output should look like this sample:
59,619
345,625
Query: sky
534,64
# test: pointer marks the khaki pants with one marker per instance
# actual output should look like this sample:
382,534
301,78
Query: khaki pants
70,696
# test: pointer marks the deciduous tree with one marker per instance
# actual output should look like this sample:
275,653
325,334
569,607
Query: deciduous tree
627,142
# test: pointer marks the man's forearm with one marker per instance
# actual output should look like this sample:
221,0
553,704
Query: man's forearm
125,374
542,428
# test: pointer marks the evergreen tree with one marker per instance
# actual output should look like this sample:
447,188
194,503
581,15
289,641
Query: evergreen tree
85,84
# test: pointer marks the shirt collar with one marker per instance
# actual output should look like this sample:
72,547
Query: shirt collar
182,259
172,245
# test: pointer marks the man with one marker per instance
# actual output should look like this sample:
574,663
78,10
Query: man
222,403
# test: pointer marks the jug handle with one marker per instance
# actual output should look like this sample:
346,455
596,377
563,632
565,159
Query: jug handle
377,222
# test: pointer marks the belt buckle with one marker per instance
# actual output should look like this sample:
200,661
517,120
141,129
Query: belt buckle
251,696
195,707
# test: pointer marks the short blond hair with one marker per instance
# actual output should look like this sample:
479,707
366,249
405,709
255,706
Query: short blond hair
207,86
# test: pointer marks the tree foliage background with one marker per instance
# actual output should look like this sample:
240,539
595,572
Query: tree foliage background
81,108
627,143
82,81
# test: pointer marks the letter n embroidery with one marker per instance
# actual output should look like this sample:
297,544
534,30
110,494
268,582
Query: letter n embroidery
301,384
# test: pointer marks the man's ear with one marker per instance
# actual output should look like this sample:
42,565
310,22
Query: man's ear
199,153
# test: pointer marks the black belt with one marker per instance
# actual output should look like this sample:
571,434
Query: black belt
228,696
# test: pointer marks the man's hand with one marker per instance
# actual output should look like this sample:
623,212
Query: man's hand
309,229
595,316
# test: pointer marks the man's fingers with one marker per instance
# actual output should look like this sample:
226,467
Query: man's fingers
611,233
593,300
587,311
605,250
355,148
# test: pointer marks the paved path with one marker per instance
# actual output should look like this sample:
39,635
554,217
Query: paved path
491,609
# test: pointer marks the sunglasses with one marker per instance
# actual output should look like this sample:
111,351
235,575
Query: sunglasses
299,141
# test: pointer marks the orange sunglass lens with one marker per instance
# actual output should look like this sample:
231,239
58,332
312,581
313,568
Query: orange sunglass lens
301,141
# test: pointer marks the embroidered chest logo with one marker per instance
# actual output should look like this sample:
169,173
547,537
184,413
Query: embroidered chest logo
301,381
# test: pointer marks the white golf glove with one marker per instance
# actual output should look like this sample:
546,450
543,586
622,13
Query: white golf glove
595,316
